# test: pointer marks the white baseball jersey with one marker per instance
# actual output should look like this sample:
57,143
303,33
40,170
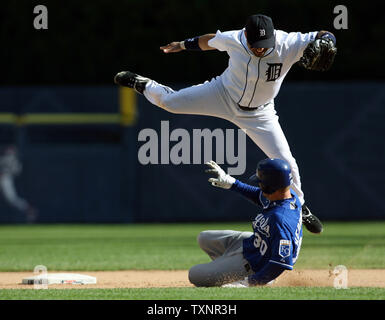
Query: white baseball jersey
10,164
249,81
9,167
252,81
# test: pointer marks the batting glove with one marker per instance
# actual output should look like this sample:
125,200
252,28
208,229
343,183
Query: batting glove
221,179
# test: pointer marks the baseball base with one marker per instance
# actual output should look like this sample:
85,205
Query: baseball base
60,278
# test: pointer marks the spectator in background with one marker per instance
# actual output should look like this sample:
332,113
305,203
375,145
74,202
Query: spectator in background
10,166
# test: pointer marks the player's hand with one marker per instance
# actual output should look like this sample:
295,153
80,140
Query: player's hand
221,179
172,47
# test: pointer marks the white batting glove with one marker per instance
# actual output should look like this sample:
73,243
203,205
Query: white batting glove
221,179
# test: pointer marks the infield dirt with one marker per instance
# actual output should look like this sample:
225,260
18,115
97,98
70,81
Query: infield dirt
179,278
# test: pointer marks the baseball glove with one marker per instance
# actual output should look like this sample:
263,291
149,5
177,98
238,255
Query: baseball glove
319,55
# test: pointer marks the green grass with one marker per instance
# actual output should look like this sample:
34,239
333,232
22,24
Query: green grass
172,247
263,293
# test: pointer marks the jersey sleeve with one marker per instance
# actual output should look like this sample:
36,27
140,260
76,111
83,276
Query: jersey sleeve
252,193
268,273
222,40
281,247
296,42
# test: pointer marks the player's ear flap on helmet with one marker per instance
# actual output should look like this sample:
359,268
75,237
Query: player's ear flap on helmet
272,175
256,181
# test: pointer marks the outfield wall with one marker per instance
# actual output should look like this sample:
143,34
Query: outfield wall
79,149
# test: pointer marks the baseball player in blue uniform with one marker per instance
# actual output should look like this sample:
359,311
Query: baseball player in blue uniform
259,59
258,257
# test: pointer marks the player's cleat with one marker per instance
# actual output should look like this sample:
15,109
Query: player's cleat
131,80
310,221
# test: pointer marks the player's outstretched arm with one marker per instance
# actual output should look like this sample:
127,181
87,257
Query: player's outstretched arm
268,273
192,44
251,193
221,178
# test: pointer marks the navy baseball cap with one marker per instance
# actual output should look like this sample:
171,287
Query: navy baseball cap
260,31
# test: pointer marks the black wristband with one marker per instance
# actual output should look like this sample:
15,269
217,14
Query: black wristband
192,44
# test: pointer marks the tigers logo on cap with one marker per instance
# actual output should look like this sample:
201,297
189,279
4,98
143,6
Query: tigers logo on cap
260,31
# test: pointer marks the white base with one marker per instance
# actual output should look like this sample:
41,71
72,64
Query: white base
60,278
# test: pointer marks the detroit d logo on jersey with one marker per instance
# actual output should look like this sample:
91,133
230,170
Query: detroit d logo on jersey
273,71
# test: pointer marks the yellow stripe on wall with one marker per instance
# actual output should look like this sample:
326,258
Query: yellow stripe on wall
8,118
70,118
127,102
60,118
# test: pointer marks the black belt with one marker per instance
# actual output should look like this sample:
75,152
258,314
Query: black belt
247,108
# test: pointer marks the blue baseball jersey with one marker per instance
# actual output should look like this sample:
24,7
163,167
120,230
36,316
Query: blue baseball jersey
277,231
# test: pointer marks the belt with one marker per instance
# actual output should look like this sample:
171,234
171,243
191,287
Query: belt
248,109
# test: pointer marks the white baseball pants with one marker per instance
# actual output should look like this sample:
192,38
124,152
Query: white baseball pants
212,99
7,187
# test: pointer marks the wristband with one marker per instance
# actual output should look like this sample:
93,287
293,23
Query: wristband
182,45
192,44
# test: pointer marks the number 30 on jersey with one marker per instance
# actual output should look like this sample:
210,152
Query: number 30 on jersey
260,243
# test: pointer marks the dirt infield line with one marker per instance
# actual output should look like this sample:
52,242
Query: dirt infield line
179,278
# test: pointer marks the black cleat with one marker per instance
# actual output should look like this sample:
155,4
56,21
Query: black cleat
310,221
131,80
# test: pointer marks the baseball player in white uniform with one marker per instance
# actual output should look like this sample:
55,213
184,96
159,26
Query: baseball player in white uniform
259,59
10,167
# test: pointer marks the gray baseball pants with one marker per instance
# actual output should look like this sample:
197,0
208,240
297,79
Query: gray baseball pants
225,248
212,99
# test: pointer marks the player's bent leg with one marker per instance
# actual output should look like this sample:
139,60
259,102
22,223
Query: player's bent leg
207,241
268,135
207,98
159,95
203,99
295,173
282,151
218,242
225,269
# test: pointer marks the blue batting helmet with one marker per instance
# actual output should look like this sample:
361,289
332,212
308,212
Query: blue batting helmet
272,175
